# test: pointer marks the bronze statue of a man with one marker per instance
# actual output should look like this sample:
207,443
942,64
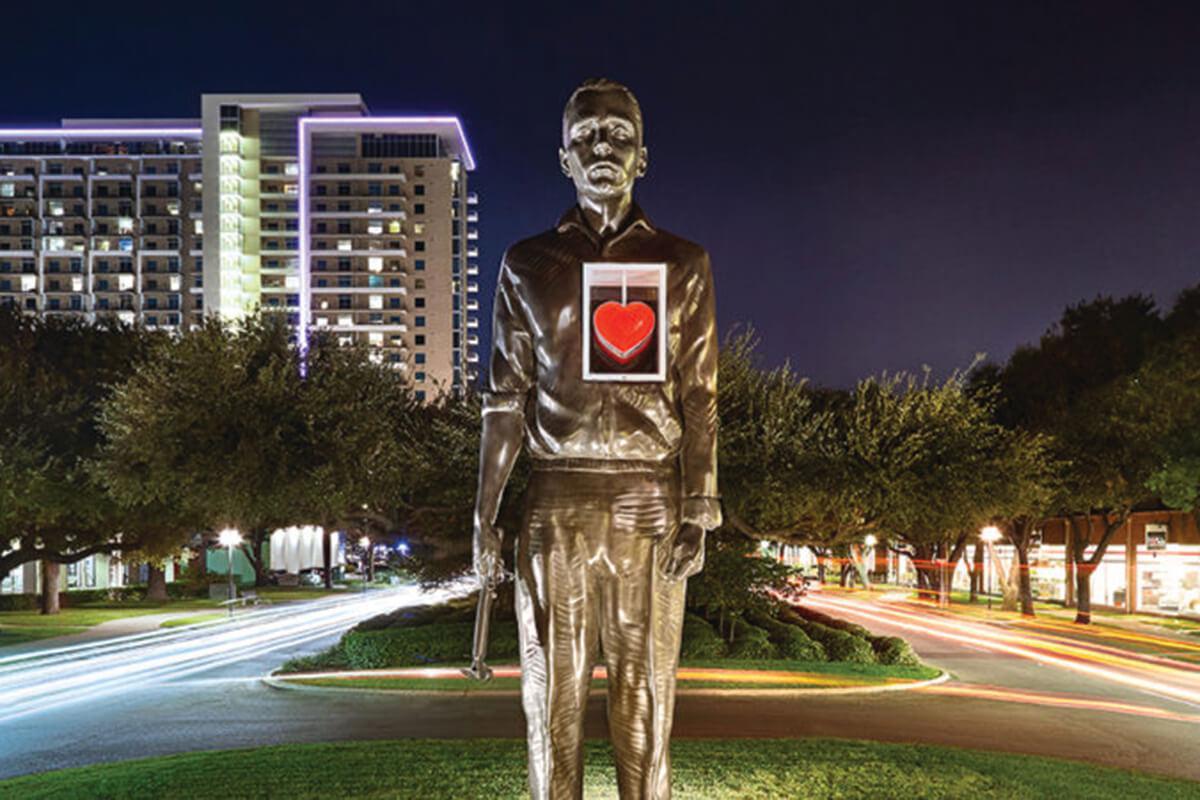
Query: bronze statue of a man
604,364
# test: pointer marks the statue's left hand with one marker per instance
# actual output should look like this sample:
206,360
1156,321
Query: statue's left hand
683,554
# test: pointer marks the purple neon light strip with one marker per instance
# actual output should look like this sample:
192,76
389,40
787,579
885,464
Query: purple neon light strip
364,124
368,124
96,133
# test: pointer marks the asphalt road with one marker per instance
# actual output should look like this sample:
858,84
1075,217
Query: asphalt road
998,701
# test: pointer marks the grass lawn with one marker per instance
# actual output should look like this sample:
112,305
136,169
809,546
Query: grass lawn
182,622
495,769
802,675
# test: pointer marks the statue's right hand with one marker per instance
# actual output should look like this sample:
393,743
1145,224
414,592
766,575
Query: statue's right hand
489,563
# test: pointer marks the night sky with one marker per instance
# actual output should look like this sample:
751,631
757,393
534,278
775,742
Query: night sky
881,185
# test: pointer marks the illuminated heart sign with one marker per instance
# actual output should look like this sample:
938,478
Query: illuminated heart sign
623,331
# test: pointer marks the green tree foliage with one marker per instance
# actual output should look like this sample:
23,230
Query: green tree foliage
54,374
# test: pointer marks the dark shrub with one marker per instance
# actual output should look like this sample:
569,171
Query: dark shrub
894,650
790,640
448,642
751,643
700,639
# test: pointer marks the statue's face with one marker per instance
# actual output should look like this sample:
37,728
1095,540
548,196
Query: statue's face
602,150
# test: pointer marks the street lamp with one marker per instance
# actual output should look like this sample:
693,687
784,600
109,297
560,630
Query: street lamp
365,544
229,539
989,536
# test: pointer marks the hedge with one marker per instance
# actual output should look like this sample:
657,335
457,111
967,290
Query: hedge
751,643
790,640
701,640
418,645
894,650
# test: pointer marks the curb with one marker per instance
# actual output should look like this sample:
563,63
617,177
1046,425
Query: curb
273,681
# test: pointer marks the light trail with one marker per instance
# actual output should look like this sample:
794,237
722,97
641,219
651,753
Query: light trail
1126,670
30,683
1056,700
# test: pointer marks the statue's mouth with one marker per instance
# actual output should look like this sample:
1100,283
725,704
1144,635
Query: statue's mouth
605,169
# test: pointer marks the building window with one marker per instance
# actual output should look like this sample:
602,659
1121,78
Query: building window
419,190
418,208
419,302
419,265
419,358
419,322
420,246
419,339
419,377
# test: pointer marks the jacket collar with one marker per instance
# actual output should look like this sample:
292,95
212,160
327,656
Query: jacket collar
573,218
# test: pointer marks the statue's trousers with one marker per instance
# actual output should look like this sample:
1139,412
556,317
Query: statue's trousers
587,582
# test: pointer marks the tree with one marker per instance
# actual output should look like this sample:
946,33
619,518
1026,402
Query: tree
210,426
1069,388
736,581
54,374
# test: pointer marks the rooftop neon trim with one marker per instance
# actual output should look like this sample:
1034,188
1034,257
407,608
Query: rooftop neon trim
97,133
370,122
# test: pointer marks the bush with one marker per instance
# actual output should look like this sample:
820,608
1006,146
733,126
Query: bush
839,645
751,643
795,645
700,639
894,650
332,659
19,602
812,615
790,640
447,642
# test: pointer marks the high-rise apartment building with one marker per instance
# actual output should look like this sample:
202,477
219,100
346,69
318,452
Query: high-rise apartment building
350,223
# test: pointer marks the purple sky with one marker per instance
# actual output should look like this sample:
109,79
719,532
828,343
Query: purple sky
881,185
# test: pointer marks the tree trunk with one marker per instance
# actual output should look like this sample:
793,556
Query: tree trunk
977,573
253,551
327,558
1083,595
50,574
156,588
1024,583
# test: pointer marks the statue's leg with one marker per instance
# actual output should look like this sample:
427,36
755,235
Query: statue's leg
641,622
558,632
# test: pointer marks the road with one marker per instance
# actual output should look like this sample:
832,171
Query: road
1001,699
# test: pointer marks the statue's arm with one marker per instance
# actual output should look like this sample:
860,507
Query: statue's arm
697,368
511,375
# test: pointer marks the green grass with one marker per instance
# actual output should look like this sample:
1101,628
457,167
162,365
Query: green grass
839,674
181,622
495,769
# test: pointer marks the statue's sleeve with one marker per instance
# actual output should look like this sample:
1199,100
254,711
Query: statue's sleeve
696,366
512,365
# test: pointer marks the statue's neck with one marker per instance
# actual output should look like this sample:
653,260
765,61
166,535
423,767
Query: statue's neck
605,215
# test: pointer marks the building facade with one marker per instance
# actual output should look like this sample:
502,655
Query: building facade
355,224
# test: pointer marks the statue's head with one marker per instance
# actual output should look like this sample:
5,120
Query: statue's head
602,150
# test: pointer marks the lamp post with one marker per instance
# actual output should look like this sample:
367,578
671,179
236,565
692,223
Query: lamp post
229,539
869,541
365,544
989,536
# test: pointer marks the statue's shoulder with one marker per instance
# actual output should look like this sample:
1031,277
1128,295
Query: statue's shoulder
689,255
533,253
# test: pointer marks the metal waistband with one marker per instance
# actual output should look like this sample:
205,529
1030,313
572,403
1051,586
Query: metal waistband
604,465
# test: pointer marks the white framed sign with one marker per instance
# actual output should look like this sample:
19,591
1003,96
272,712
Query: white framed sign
624,322
1156,536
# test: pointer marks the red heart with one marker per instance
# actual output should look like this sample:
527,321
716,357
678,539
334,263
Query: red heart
623,331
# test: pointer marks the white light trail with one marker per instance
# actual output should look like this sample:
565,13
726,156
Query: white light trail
34,682
978,635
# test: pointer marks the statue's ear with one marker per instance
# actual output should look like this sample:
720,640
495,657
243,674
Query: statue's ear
643,162
562,162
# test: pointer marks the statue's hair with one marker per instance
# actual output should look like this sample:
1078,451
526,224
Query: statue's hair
605,85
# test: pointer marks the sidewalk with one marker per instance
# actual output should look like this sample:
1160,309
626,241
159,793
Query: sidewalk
111,629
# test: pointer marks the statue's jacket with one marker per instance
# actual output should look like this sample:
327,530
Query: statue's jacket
538,351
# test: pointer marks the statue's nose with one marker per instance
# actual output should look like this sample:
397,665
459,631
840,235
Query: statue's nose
602,148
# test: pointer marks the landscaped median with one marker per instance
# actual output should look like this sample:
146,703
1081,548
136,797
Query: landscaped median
782,650
720,675
750,769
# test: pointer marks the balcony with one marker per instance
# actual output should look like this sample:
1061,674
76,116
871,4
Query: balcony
472,199
472,269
